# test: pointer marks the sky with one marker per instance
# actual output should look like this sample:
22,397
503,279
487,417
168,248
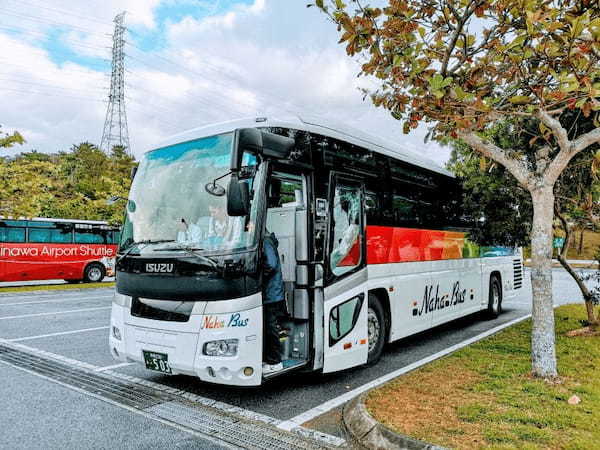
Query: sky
188,63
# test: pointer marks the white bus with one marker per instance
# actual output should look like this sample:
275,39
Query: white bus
372,242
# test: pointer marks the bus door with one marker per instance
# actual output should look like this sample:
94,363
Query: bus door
287,218
346,296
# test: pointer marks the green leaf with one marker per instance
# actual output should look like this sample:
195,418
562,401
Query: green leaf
517,42
520,100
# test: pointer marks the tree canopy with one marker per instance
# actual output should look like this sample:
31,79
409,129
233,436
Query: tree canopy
73,184
9,140
463,65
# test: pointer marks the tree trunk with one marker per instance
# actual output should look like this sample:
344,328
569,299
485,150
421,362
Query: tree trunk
581,242
543,352
562,258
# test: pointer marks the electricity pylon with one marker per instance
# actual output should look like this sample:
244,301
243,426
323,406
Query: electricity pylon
115,125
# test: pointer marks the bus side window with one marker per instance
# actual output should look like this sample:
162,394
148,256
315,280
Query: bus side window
51,234
13,235
91,236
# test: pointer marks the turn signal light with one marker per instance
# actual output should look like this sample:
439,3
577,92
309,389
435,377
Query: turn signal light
248,371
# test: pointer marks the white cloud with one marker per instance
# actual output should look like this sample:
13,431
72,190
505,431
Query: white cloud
268,57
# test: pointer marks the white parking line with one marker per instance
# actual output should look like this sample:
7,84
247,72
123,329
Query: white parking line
338,401
52,293
55,313
56,301
114,366
60,333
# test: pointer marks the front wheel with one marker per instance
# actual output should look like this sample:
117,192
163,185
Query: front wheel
376,328
94,273
495,298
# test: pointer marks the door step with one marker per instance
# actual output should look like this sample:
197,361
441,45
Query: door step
288,366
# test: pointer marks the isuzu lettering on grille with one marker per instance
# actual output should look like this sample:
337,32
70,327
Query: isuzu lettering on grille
159,268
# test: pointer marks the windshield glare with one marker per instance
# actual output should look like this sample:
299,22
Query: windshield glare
168,200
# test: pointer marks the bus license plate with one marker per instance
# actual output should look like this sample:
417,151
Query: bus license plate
158,362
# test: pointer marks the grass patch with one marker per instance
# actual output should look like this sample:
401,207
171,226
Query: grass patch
483,396
55,287
591,244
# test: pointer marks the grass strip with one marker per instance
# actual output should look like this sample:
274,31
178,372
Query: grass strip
56,287
483,396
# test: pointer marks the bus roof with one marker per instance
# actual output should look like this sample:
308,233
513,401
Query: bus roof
317,125
48,219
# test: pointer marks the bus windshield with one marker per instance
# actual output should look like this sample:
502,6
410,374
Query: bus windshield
169,205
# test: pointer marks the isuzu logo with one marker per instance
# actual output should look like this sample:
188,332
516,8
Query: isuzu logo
159,268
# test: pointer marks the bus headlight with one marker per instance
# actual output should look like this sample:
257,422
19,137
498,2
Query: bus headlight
222,347
122,300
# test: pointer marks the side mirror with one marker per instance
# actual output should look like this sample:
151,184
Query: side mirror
252,140
238,197
133,172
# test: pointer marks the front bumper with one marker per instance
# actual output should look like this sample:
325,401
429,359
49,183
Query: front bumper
183,342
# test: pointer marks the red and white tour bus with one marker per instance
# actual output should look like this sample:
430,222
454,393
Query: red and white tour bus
48,249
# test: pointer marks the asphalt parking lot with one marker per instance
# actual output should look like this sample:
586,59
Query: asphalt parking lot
41,412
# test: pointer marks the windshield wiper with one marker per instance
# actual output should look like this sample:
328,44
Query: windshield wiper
145,244
190,251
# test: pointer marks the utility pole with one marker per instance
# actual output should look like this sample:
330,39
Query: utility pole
115,125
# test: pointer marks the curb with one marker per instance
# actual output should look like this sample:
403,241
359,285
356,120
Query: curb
368,433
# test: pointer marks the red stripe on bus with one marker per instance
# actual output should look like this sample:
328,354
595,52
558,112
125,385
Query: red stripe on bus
392,245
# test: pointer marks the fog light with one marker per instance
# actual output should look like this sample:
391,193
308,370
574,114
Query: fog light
116,333
222,347
248,371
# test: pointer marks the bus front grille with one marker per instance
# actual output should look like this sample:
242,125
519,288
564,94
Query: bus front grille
518,273
139,308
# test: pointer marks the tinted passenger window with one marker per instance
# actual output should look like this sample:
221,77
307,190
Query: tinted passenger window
91,237
49,235
15,235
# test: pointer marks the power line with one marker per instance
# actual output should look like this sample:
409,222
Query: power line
61,39
49,21
51,94
51,86
4,62
65,12
214,68
218,98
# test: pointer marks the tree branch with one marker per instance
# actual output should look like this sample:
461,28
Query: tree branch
514,166
585,140
562,138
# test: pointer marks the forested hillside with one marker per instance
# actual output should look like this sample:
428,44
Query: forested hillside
73,184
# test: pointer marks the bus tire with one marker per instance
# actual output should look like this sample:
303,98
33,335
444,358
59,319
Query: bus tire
494,308
376,329
94,273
